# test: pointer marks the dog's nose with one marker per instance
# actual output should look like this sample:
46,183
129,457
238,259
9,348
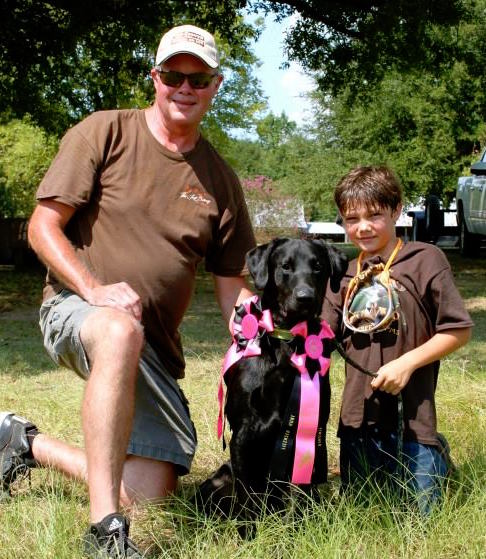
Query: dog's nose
304,293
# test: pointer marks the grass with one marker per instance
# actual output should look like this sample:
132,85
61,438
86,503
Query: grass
47,518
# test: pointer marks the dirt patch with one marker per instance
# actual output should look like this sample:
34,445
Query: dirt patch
475,303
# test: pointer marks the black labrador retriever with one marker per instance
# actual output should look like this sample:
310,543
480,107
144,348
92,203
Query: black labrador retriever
292,275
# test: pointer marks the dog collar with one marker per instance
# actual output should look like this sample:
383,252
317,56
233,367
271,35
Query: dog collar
282,334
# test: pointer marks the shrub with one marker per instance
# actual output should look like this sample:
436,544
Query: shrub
26,152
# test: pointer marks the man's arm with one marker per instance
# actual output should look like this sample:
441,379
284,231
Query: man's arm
394,376
230,292
47,238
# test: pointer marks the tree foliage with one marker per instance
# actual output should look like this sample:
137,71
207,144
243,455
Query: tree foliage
351,42
25,154
60,60
427,124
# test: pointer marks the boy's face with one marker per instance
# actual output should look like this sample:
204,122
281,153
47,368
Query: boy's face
372,230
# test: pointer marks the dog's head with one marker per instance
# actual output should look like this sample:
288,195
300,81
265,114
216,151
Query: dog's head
293,275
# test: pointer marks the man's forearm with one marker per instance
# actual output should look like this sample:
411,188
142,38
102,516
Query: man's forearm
230,292
56,252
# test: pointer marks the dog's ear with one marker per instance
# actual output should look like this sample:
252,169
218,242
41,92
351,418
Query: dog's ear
339,266
257,262
338,261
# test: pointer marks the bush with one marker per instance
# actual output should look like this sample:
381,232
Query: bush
26,152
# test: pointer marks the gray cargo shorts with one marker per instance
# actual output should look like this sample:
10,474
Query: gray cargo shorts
162,428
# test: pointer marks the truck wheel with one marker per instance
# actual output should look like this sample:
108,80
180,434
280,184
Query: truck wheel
469,244
419,232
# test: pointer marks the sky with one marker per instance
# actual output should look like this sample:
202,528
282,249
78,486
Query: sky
284,88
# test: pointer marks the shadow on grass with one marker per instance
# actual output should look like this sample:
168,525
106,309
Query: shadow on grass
21,348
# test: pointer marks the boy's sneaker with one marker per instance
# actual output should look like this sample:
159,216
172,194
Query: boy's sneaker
15,451
109,539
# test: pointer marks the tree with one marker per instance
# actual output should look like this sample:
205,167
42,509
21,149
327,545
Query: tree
355,42
275,130
427,125
60,60
25,154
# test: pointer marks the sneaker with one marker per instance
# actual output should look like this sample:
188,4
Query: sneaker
15,453
109,538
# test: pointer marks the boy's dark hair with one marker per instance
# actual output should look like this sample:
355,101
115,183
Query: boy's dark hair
372,187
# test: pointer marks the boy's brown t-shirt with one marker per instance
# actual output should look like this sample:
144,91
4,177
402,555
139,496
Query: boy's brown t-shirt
429,303
147,216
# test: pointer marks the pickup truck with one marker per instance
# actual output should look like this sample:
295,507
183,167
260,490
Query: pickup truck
471,208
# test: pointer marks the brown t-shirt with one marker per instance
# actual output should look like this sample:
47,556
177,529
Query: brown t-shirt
429,303
148,216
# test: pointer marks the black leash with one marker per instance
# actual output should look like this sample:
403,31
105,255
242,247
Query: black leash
400,419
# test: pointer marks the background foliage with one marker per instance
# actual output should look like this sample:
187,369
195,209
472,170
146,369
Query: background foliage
25,153
398,82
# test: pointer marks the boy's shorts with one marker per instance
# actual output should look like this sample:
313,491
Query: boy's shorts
162,428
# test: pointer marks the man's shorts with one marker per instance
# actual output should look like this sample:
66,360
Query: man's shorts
162,428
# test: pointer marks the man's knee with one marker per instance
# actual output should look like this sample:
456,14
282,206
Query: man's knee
110,331
145,479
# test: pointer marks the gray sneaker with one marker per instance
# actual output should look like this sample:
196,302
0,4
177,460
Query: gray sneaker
15,453
109,539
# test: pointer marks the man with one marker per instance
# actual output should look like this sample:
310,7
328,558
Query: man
132,203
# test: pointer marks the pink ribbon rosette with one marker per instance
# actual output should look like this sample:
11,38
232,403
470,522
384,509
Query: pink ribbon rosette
312,355
250,323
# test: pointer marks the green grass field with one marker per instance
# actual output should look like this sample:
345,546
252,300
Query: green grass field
48,516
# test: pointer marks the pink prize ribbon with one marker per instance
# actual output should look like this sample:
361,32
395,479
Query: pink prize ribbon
309,359
250,323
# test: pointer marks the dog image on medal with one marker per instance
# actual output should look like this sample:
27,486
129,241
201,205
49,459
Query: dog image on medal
373,304
370,306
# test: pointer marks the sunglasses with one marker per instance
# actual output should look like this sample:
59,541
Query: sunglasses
198,80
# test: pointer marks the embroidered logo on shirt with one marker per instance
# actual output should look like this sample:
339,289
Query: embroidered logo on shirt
196,194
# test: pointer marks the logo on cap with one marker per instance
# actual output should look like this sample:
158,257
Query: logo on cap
188,36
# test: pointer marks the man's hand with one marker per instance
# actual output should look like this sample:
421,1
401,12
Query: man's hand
117,295
47,237
393,377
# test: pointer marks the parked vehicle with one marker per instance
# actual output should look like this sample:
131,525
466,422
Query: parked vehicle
432,221
14,248
471,208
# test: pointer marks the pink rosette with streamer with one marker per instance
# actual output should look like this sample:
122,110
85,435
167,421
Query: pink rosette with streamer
312,356
250,323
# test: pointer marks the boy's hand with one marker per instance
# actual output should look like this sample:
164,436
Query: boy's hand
393,376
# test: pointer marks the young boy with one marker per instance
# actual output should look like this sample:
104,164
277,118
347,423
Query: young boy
398,313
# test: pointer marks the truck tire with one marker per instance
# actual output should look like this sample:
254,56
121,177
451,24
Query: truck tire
419,232
469,244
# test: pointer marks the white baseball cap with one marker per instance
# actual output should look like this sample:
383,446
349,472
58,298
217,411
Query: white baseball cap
188,39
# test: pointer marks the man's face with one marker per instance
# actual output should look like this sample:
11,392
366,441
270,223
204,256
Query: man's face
184,106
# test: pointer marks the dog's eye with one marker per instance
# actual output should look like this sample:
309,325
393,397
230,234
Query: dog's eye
286,267
316,266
